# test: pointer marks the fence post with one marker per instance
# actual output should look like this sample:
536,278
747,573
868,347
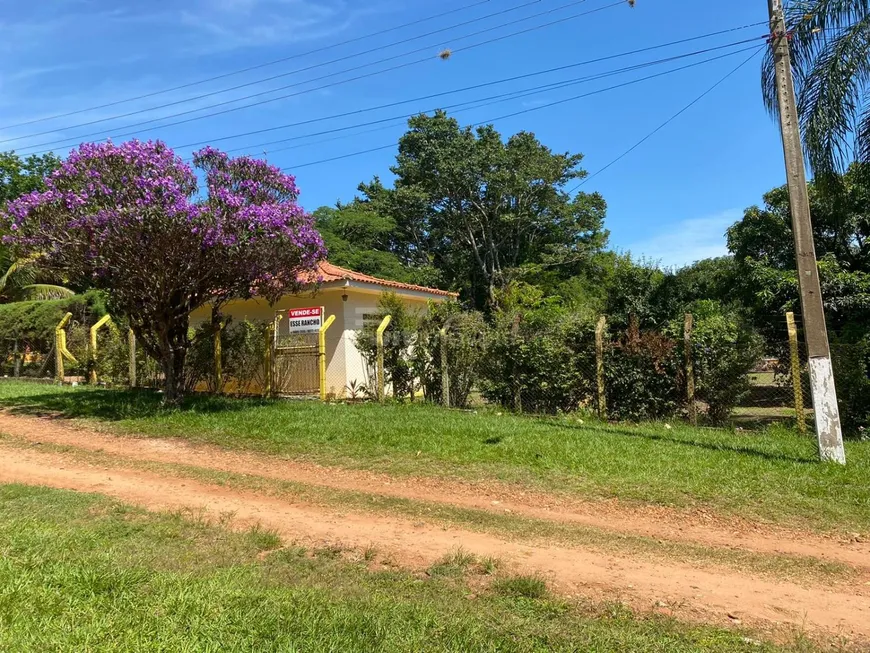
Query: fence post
690,370
60,350
599,366
380,362
131,345
218,355
92,374
796,373
16,359
445,373
268,338
517,394
321,354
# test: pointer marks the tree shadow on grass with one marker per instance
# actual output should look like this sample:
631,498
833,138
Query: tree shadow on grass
739,449
115,405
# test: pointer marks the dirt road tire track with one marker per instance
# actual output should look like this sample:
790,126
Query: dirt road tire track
690,591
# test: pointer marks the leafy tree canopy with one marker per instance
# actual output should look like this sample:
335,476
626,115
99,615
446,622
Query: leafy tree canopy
128,219
484,211
21,176
830,45
763,248
359,238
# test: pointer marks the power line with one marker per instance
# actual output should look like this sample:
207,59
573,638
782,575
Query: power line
487,101
471,88
250,68
76,139
278,76
668,121
537,108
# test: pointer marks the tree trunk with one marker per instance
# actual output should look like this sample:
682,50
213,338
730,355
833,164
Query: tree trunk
173,352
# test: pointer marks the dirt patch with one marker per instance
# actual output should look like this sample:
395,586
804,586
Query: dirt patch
711,595
699,526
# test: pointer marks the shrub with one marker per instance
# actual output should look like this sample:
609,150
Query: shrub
642,371
399,341
32,324
851,363
539,357
465,348
242,348
725,350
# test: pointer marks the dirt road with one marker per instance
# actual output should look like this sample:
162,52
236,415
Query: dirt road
707,592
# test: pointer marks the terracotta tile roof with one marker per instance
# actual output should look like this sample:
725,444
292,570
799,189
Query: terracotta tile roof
327,272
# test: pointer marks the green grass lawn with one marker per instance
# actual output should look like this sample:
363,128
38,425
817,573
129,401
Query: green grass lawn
770,475
82,572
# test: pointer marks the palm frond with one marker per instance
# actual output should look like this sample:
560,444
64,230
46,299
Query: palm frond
831,97
830,49
44,292
862,133
21,272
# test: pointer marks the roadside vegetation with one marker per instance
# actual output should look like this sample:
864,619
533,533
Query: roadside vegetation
771,476
83,572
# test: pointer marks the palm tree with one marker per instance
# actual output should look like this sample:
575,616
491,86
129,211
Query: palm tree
23,280
830,44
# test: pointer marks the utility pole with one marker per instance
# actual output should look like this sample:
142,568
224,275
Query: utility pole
824,394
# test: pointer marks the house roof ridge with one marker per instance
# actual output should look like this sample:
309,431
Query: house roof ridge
325,269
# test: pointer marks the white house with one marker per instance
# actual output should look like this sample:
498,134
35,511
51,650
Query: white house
352,297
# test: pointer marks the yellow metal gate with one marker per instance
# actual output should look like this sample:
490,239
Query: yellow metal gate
297,360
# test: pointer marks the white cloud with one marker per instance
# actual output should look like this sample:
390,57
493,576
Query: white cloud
683,243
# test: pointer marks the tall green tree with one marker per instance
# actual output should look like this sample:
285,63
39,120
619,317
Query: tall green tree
484,210
22,278
830,44
763,248
360,238
21,176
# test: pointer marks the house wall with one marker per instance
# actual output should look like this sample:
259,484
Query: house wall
359,305
344,362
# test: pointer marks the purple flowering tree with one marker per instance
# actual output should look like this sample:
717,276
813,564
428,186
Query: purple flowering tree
130,219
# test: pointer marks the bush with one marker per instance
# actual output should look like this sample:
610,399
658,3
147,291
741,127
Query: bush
851,363
242,349
399,341
642,374
725,350
465,349
32,325
539,358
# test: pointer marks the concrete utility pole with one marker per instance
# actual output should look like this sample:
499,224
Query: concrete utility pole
824,394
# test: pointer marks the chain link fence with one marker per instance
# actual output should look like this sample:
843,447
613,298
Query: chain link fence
619,375
463,361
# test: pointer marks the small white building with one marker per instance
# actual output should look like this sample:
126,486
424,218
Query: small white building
352,298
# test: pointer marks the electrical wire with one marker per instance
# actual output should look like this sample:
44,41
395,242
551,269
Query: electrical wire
315,79
487,101
250,68
470,88
536,108
285,74
668,121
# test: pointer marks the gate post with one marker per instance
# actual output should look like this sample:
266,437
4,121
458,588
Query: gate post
380,364
269,334
321,354
92,374
599,367
796,382
60,350
131,345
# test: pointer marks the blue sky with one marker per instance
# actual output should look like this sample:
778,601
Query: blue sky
669,200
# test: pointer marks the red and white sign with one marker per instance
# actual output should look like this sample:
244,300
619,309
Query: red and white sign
304,320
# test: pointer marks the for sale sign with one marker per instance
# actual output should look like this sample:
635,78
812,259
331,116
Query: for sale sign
304,320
